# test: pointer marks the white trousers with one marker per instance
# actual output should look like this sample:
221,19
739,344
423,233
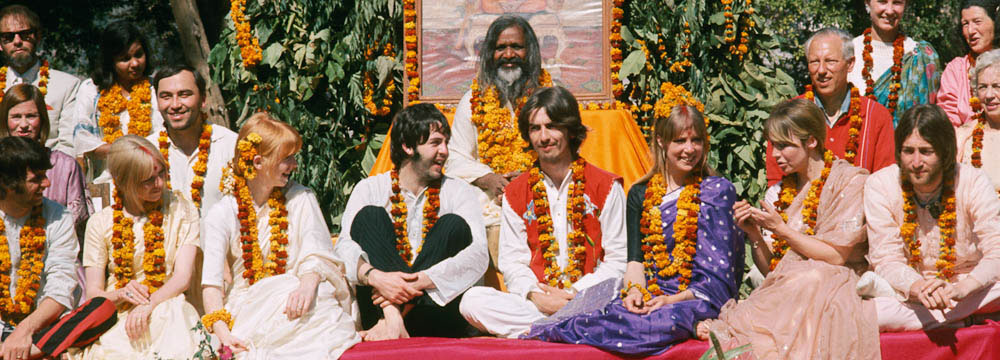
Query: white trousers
894,315
498,313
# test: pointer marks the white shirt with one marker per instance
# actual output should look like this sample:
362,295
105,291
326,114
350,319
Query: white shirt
463,159
60,98
515,255
452,276
59,274
182,166
881,60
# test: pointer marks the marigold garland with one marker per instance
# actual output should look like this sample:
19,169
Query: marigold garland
946,224
977,132
123,243
218,315
617,13
29,271
250,50
856,121
680,261
500,144
646,296
897,69
575,240
112,102
684,60
674,95
43,79
200,166
399,213
410,42
368,93
809,206
253,261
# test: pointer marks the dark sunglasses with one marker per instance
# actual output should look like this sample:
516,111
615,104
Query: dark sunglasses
24,34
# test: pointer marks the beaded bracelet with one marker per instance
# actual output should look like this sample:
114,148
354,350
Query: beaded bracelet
219,315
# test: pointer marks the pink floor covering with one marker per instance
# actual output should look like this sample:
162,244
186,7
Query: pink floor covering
977,342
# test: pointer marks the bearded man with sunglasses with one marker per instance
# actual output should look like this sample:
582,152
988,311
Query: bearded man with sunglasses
20,34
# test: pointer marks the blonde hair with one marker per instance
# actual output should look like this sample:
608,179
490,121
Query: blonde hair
682,117
278,139
796,119
130,161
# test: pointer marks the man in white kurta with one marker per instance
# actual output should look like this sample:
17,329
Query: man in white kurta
24,66
181,94
556,133
504,56
421,298
923,298
41,331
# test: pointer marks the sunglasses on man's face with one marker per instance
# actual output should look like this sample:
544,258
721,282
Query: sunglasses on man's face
8,36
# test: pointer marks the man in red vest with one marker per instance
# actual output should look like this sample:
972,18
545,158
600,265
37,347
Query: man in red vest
562,226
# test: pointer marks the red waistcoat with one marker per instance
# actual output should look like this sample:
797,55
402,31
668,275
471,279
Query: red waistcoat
597,185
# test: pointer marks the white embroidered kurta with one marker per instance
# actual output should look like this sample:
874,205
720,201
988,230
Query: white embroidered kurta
328,329
881,59
463,156
60,98
87,132
171,321
452,276
182,166
58,277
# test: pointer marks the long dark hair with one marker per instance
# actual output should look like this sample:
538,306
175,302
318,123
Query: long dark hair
991,7
933,125
488,66
115,40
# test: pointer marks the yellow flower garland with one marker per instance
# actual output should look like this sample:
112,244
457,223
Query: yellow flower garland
809,206
249,45
575,239
253,260
399,213
32,245
617,13
946,224
500,144
218,315
200,166
123,244
111,103
410,43
680,260
43,79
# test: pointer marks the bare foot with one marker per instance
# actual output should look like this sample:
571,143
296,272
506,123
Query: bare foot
702,330
385,330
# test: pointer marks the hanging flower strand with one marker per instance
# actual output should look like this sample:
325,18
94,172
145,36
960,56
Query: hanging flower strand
410,42
616,47
249,45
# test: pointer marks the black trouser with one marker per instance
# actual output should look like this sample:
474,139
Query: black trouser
372,229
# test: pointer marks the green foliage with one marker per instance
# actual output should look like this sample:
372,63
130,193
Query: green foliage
311,77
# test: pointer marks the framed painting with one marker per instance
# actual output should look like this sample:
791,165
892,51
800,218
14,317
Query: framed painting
572,35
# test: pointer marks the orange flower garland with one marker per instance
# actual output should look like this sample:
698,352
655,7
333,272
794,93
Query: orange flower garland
43,78
29,271
123,242
854,113
200,166
253,260
410,42
684,60
575,240
249,45
500,144
946,225
730,34
809,206
111,103
977,132
369,85
399,213
617,88
897,69
685,234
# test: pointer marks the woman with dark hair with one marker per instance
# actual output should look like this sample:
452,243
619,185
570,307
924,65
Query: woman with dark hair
978,26
23,109
117,99
685,254
894,69
810,243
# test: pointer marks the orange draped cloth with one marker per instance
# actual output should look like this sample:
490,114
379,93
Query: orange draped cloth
614,143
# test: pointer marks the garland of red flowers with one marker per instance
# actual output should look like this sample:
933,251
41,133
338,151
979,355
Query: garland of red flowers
685,235
253,261
29,271
854,113
809,206
431,207
575,240
123,243
946,224
200,167
43,79
897,69
977,132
